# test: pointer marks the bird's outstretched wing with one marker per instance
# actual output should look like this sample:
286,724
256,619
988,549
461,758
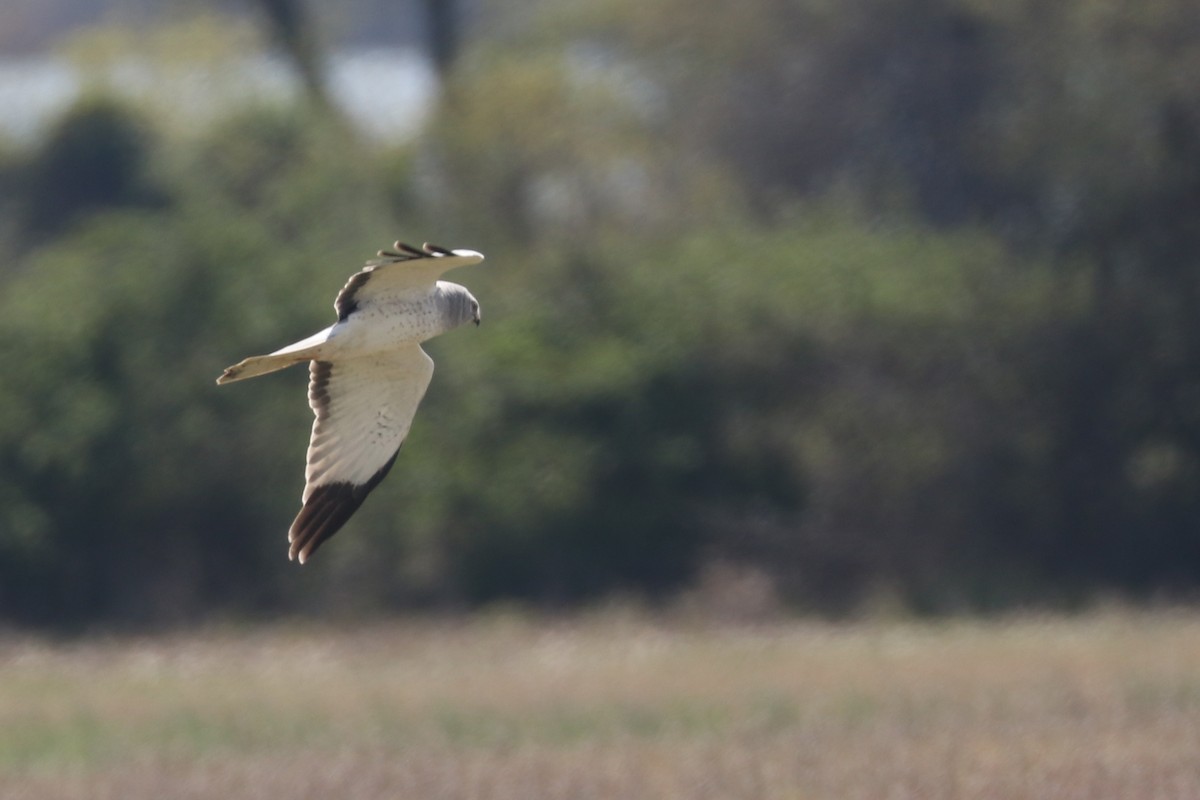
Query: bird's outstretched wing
397,272
364,407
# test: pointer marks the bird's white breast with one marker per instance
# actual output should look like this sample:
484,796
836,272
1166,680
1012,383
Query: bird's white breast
381,327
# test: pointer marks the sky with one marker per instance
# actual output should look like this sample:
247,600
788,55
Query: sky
29,27
382,82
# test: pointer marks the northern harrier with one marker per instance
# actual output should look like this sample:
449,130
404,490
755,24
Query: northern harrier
367,374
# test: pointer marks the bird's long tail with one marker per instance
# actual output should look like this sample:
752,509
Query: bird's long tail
254,366
298,353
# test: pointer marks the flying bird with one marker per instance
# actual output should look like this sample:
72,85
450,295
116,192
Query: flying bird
367,375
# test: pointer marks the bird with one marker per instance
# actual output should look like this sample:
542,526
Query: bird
367,375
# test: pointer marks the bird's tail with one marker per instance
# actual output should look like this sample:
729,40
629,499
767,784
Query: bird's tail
304,350
254,366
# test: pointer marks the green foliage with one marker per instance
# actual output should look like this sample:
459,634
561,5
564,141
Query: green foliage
882,300
135,490
95,158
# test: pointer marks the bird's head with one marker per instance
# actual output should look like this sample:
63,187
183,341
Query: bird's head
460,306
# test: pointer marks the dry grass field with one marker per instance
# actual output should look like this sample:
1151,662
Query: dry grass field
1106,706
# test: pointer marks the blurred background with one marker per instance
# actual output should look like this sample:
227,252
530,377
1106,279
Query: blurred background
878,305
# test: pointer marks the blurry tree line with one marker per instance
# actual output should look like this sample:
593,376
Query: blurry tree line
875,298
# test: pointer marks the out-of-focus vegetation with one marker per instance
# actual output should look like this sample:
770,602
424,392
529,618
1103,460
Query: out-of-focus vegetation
1100,707
878,301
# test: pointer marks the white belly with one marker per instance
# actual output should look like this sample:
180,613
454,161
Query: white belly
383,327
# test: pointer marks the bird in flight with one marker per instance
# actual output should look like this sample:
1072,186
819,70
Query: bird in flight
367,375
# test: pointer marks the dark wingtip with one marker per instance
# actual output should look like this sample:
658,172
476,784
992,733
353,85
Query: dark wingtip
403,250
327,509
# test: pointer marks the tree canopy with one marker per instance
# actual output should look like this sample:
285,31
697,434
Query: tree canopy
874,299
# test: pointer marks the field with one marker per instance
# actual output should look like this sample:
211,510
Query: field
612,706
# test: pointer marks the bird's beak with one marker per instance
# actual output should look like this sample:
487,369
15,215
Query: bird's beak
477,320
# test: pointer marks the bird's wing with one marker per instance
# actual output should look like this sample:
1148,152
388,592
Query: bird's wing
398,272
364,407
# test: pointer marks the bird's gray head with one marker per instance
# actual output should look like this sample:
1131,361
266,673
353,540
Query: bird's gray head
459,305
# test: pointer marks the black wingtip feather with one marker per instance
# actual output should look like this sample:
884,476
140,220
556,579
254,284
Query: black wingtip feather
326,511
328,508
402,251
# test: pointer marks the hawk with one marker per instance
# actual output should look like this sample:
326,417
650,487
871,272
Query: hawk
367,375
